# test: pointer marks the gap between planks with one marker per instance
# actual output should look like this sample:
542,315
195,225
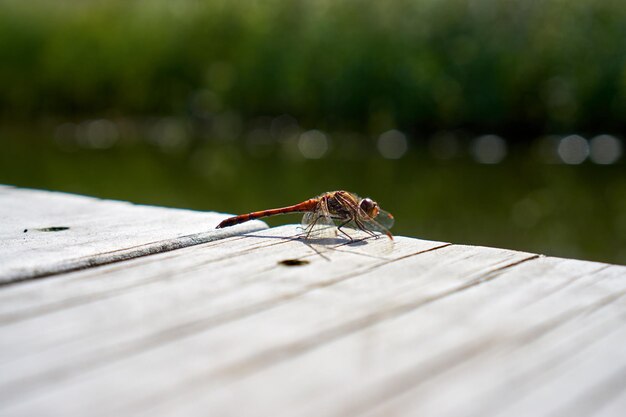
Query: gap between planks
121,255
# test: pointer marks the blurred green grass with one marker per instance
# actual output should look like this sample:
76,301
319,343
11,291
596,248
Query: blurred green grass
518,67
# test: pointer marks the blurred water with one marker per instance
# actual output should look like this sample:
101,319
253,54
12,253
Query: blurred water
451,187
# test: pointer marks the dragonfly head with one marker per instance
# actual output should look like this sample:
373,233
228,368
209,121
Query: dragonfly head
369,206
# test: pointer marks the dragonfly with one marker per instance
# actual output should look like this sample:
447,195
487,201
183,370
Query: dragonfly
321,213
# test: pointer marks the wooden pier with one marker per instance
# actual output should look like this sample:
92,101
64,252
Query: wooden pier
114,309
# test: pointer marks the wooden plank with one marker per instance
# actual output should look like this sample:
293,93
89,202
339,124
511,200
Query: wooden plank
44,233
368,328
202,290
477,351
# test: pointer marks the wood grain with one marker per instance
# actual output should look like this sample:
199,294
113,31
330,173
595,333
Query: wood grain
365,328
44,233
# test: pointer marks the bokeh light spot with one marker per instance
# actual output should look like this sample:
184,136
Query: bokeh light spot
97,134
605,149
573,149
489,149
313,144
169,134
392,144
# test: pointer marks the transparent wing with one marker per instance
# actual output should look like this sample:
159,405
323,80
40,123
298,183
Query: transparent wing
385,219
380,224
318,224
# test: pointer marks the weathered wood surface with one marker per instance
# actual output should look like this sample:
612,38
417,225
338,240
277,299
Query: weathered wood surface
224,328
44,233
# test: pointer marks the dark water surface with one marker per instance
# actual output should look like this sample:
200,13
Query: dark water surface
521,203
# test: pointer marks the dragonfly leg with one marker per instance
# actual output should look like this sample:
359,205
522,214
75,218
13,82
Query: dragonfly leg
310,227
363,228
342,225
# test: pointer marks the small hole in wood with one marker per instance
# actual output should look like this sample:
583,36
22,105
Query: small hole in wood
294,262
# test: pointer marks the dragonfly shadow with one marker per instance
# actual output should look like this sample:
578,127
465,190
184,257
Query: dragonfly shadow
358,242
302,239
329,245
318,245
325,241
326,245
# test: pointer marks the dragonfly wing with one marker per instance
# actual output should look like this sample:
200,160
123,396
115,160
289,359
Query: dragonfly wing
318,224
381,223
385,219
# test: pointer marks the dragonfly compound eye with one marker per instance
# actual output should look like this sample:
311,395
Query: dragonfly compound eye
369,206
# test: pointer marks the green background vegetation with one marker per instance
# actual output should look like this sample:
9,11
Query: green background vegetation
193,91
